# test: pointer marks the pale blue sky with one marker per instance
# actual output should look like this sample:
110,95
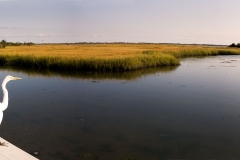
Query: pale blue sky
159,21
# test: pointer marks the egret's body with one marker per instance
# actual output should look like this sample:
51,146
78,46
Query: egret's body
4,103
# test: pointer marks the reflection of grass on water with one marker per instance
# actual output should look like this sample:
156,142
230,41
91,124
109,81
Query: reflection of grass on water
87,75
104,57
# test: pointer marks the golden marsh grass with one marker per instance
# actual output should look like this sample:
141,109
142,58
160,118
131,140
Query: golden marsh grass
104,56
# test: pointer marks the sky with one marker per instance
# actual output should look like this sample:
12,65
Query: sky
150,21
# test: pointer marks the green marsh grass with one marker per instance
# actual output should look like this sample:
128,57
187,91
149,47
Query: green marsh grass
124,63
104,57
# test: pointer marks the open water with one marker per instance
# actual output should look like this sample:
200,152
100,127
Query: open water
191,111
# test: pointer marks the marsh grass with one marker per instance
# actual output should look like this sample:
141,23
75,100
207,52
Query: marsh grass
204,52
91,63
103,57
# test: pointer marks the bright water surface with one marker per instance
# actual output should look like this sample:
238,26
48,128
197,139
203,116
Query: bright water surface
191,111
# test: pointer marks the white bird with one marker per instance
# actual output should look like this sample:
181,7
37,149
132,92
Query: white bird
4,103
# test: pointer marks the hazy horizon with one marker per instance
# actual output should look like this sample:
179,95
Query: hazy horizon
152,21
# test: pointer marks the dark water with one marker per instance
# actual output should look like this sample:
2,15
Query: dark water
191,111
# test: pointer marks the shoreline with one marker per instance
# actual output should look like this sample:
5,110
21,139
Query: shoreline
105,57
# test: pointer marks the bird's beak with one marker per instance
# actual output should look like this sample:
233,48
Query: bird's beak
16,78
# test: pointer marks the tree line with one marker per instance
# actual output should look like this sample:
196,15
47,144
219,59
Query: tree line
4,44
235,45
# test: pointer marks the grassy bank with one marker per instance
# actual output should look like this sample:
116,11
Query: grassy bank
104,56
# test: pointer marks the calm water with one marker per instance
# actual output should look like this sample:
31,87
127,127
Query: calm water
191,111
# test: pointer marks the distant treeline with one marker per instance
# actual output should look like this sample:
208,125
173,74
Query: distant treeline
4,43
235,45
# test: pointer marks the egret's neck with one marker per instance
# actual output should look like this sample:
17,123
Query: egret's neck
4,104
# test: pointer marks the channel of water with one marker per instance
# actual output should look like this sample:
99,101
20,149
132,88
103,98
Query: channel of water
191,111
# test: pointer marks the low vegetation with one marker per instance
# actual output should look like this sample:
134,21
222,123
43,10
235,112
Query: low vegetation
104,57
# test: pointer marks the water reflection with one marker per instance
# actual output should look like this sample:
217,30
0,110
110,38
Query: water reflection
129,75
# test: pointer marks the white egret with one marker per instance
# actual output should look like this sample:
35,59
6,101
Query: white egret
4,103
